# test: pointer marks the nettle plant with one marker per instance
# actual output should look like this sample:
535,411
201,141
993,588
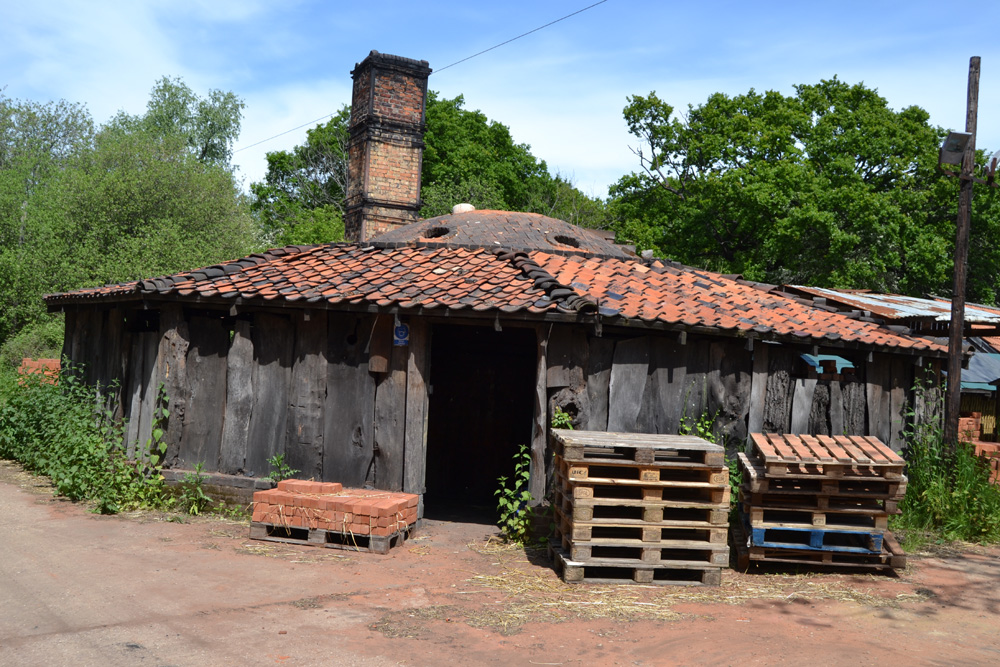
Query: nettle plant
514,499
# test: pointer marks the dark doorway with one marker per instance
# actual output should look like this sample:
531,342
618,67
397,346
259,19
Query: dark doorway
481,410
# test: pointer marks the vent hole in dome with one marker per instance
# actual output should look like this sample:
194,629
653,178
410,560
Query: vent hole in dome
566,240
436,232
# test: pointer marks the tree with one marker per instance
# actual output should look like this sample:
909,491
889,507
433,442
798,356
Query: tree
301,199
208,126
138,197
467,158
829,187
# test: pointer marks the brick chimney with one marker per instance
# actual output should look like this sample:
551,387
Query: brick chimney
386,144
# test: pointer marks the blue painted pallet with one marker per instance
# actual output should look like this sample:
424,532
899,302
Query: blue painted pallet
815,539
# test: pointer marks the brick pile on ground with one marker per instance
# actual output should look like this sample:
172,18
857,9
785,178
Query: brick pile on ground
326,513
970,429
819,500
632,507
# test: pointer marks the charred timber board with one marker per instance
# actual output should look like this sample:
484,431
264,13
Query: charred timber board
206,371
628,381
350,401
273,344
417,372
390,422
307,395
239,401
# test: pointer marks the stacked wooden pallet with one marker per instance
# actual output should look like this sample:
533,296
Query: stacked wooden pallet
642,508
326,514
819,500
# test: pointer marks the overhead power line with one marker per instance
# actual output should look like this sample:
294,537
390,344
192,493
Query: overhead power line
457,62
513,39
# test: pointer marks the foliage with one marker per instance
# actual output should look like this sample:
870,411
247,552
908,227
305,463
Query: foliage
279,469
138,196
467,158
949,492
514,500
192,497
828,187
208,126
561,419
302,197
704,428
42,339
61,431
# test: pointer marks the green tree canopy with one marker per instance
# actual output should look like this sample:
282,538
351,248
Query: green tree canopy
467,158
137,197
828,187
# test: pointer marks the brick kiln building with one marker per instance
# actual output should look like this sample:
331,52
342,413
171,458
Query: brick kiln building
420,355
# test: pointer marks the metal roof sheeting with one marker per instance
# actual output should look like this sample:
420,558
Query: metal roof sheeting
898,307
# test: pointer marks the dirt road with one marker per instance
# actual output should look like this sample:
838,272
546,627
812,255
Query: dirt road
81,589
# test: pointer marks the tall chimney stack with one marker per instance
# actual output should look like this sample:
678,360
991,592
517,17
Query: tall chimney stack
386,144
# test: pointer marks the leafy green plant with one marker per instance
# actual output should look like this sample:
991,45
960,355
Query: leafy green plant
561,419
279,469
704,428
949,494
192,497
514,500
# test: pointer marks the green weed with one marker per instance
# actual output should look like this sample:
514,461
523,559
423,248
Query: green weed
192,497
514,501
279,469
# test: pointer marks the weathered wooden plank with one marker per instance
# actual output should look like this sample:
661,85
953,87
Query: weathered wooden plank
380,344
307,396
666,385
350,401
71,321
628,381
855,408
206,372
599,360
900,382
819,412
115,362
876,392
417,374
171,368
836,408
758,388
390,422
239,400
802,404
729,385
538,479
150,388
695,391
780,389
567,357
273,340
134,388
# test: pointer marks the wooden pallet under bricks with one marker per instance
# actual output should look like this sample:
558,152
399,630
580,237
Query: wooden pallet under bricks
819,500
326,514
639,508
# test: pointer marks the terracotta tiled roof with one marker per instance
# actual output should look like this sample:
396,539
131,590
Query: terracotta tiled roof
668,294
507,281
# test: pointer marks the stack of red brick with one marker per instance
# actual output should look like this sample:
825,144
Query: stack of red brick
329,506
970,429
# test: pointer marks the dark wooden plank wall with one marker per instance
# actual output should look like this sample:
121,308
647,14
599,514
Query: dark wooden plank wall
206,364
272,337
307,396
656,383
350,401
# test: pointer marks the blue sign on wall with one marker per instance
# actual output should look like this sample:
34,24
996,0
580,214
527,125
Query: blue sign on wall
401,335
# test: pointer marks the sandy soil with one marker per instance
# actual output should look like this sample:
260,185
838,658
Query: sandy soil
82,589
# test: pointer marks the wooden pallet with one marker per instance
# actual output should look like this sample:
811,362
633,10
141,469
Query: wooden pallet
863,485
612,572
813,539
820,502
379,544
627,555
623,510
638,448
891,557
679,532
628,473
768,517
831,457
654,492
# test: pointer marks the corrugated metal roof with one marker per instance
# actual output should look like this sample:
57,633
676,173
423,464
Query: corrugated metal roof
898,307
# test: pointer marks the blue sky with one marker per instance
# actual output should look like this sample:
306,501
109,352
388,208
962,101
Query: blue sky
561,89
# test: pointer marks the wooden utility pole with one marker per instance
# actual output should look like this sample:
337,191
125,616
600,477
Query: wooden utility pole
953,393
